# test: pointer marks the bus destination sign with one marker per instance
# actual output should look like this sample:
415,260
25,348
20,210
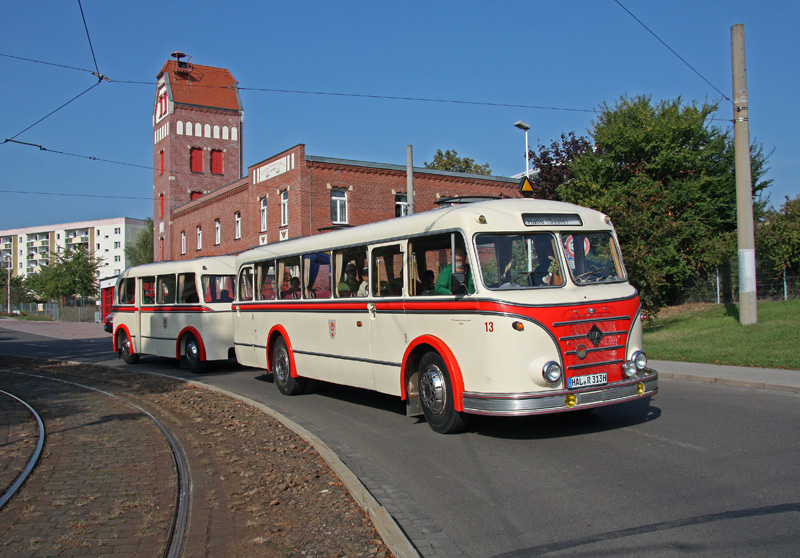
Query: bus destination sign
551,220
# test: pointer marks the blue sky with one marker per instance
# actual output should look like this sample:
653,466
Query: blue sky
562,55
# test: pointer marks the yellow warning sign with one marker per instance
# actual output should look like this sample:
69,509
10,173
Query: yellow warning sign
525,187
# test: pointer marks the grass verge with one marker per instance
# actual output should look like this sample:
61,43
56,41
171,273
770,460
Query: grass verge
711,334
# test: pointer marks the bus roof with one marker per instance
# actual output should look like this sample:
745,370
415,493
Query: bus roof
213,264
498,215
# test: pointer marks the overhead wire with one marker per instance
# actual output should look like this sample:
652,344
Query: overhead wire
673,51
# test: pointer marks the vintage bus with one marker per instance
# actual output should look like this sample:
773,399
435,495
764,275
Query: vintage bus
179,309
505,307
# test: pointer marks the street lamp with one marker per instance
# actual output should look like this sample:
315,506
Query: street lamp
522,126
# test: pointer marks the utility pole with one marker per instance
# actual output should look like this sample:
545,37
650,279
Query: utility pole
410,180
748,309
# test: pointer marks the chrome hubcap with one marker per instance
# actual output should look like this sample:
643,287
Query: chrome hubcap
432,390
282,366
192,351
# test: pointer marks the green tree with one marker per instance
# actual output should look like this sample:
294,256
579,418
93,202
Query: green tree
450,161
666,178
72,272
778,235
140,250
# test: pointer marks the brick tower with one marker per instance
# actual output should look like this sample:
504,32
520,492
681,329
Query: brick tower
197,140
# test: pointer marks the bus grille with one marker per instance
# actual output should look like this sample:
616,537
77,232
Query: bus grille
593,343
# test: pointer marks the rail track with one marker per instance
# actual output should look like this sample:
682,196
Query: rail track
180,515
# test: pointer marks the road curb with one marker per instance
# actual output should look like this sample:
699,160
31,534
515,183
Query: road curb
729,382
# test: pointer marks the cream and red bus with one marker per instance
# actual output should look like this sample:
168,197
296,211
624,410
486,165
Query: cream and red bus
179,309
506,307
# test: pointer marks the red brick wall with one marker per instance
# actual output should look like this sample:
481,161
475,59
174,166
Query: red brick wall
369,190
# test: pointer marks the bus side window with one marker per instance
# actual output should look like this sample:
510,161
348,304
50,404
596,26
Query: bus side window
165,291
265,279
348,268
246,284
289,272
148,290
432,264
317,275
187,289
127,291
387,271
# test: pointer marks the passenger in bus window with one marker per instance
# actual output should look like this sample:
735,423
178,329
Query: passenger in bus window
546,271
294,288
349,284
363,290
428,282
443,283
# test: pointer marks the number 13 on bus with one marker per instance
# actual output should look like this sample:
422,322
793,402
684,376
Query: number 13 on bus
505,307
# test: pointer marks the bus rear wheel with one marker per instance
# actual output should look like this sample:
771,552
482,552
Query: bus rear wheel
436,396
124,345
282,370
192,352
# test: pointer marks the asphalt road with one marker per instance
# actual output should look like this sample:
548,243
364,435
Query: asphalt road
702,469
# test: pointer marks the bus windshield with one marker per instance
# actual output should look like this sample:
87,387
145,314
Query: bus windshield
514,261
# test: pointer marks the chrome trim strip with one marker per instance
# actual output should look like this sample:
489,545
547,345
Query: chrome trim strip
551,402
592,320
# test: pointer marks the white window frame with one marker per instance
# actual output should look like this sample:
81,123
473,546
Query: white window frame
183,242
264,215
285,208
199,237
217,232
402,204
339,206
237,225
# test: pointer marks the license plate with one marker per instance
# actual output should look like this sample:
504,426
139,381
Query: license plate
586,381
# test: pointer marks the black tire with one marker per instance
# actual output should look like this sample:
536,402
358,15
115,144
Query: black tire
436,396
124,345
282,370
192,355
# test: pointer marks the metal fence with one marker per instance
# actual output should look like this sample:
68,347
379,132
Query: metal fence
723,285
69,310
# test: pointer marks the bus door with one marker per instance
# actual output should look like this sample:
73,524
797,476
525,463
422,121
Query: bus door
387,320
147,296
246,324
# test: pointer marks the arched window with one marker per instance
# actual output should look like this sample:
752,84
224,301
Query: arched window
216,132
188,128
224,132
234,134
179,128
207,130
198,129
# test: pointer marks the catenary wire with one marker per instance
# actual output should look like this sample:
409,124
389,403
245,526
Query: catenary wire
85,26
673,51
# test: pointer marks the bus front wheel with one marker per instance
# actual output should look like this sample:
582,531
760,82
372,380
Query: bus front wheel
436,396
192,352
124,345
282,370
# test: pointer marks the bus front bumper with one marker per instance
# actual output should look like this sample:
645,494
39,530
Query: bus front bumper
643,385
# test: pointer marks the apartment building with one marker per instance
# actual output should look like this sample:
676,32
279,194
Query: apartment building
28,250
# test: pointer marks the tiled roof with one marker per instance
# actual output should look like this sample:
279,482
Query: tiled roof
203,86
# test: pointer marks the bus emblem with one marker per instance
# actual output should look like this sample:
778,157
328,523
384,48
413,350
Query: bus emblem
332,328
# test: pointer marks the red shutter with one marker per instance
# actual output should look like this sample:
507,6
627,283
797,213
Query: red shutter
197,160
216,162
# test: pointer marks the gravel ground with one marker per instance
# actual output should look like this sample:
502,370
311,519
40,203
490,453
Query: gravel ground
258,488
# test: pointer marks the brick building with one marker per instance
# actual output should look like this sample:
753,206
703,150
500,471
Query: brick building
204,206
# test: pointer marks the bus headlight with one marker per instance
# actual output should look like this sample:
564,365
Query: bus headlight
640,359
551,372
629,368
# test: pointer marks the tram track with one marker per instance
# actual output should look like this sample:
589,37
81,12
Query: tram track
183,486
36,454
